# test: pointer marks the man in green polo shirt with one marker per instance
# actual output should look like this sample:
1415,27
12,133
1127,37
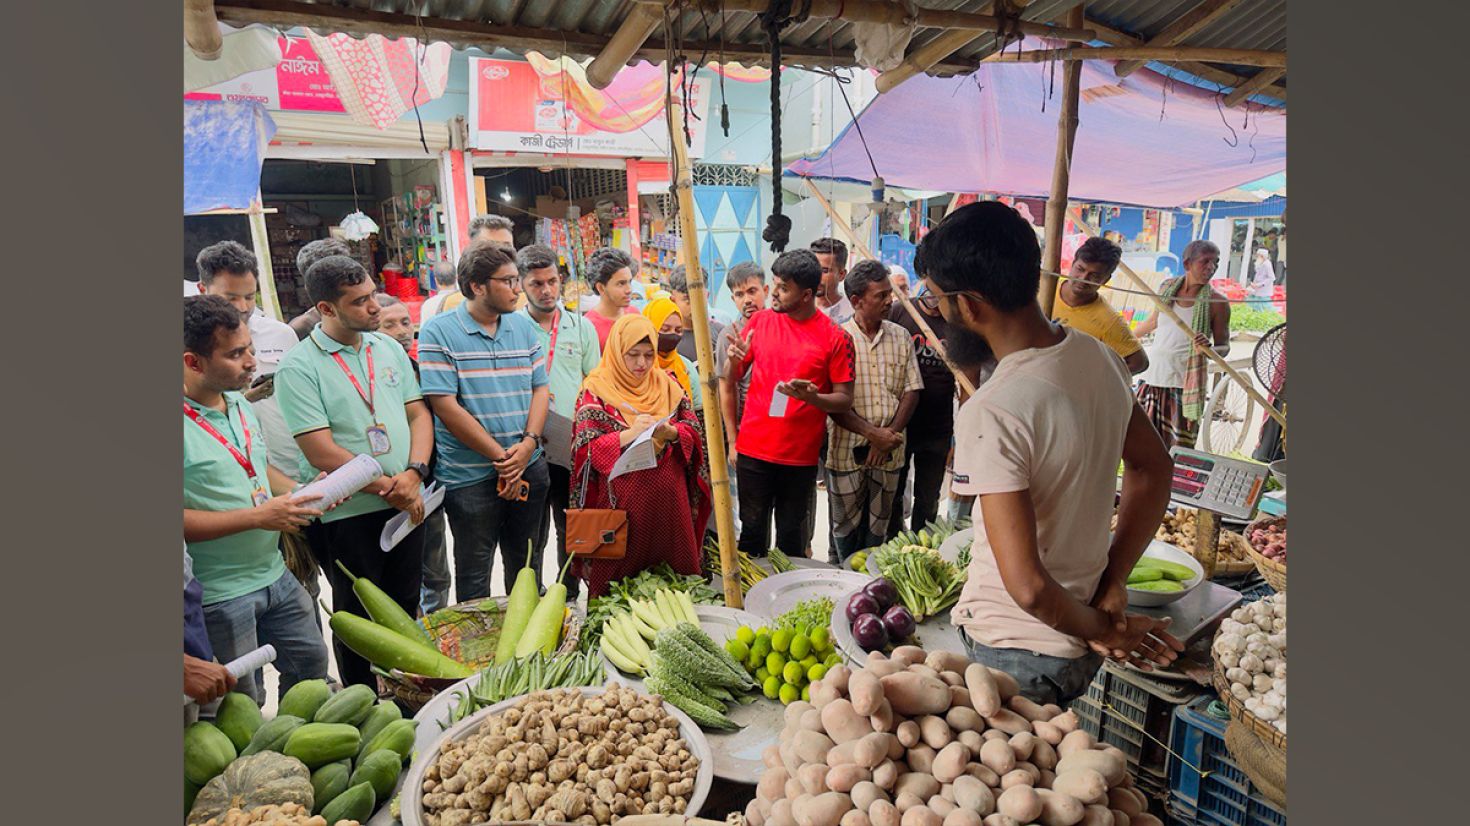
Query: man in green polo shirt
349,390
236,505
570,356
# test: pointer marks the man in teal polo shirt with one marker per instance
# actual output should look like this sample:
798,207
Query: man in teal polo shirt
484,373
236,505
570,356
349,390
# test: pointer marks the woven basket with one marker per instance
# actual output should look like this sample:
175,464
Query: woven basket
1272,571
469,633
1267,733
1230,566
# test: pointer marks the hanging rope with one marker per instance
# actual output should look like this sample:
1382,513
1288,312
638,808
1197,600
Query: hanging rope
773,19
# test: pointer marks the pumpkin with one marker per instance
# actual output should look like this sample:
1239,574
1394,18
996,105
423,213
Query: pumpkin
262,779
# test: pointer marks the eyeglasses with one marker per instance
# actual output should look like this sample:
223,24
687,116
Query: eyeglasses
929,299
509,281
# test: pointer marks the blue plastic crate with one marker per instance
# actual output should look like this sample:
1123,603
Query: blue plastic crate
1223,795
1119,710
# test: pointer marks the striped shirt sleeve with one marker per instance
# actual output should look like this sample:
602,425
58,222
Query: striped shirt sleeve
437,373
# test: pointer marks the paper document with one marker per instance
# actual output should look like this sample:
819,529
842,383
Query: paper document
341,483
639,454
558,436
399,527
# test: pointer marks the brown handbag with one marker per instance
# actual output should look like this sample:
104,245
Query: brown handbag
597,533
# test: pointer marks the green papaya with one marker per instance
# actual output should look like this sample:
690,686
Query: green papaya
350,705
356,803
317,744
385,712
207,751
272,734
239,718
303,699
327,782
397,737
381,769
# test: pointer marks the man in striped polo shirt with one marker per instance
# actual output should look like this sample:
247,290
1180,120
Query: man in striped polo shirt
483,371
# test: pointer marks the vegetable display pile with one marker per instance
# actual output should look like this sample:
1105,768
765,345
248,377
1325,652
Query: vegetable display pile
391,639
780,563
1180,527
336,755
1153,574
1251,647
523,676
696,676
641,586
785,660
812,613
560,756
750,573
1270,541
927,584
877,619
286,814
932,739
626,634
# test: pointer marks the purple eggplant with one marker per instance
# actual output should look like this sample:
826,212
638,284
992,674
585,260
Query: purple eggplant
860,604
899,623
883,592
868,632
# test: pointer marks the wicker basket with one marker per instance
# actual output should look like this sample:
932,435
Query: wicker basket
1229,566
1272,571
468,632
1267,733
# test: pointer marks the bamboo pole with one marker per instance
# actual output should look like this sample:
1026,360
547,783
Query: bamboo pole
714,423
629,38
1114,37
201,29
908,305
1264,78
893,14
1061,176
265,277
1198,17
1163,308
1241,57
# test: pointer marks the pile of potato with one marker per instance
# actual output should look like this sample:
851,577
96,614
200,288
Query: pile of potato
932,739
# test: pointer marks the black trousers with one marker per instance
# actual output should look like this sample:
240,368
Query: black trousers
354,542
557,498
786,491
926,462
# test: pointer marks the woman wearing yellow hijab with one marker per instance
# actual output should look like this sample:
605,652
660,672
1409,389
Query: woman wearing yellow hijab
667,505
664,314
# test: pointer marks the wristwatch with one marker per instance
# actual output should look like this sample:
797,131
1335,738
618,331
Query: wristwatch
535,437
421,469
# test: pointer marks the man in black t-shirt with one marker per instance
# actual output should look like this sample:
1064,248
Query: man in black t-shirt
931,428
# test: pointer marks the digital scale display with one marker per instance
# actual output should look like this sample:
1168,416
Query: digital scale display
1226,486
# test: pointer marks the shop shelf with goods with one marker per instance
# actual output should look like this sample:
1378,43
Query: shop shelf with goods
1207,784
1126,709
414,232
662,252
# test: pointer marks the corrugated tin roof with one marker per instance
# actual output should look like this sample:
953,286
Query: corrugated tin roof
581,27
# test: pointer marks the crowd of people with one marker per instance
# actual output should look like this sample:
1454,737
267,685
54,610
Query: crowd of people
520,406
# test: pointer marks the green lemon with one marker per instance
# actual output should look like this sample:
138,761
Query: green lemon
781,641
792,673
772,686
745,635
800,647
761,648
737,649
775,662
789,693
761,674
833,659
806,693
821,640
816,672
809,661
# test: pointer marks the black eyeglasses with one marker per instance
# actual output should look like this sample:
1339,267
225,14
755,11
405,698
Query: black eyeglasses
929,300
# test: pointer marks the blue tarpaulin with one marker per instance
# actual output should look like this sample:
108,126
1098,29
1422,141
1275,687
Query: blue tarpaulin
224,147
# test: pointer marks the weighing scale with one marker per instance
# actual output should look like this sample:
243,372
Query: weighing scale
1215,486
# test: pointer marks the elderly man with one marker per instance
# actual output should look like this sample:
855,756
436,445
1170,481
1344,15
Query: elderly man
446,284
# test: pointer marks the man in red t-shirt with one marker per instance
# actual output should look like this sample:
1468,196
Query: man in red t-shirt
801,370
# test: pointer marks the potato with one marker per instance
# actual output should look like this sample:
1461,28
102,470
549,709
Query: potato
821,810
1075,741
908,733
865,793
1052,710
865,691
1048,732
1023,744
1066,721
962,817
952,679
753,814
843,778
794,788
907,800
1119,818
1026,708
921,816
972,793
1110,766
1087,785
822,694
883,813
884,719
1008,721
1058,809
843,753
994,734
855,817
781,814
811,746
907,655
789,757
1016,777
984,692
771,757
938,805
914,695
842,723
813,777
772,784
961,718
793,712
881,669
1122,800
959,696
945,660
811,721
950,763
875,657
886,775
921,784
896,750
1048,779
1095,815
997,756
972,739
984,774
1006,684
1044,755
871,749
837,678
1019,802
920,668
1029,768
1145,819
998,819
921,758
935,732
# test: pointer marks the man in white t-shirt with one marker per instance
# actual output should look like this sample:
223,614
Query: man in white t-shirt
446,283
832,255
229,270
1039,445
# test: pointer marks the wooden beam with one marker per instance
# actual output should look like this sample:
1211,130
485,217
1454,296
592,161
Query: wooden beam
1242,57
1263,78
1115,37
201,29
893,14
1176,32
1061,175
923,58
632,33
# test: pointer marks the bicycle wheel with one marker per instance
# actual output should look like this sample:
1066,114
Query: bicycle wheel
1227,419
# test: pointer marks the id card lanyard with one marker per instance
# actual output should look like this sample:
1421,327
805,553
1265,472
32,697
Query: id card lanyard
258,494
377,433
551,351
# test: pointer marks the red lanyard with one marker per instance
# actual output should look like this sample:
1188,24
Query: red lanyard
242,458
368,396
551,354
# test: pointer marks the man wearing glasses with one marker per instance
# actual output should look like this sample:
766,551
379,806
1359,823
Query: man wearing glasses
1080,307
484,374
1039,446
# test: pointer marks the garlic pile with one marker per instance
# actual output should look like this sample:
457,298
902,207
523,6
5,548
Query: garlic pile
1251,647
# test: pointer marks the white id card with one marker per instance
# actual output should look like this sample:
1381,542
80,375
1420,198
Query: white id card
377,437
779,401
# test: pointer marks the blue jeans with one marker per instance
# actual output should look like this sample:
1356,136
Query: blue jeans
280,614
434,593
1043,678
482,521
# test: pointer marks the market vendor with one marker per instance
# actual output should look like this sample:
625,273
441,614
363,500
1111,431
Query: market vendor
1080,307
1039,445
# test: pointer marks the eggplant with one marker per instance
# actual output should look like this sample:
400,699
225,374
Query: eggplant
883,592
868,632
860,604
899,623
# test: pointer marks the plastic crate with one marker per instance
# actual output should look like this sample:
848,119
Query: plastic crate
1120,702
1223,795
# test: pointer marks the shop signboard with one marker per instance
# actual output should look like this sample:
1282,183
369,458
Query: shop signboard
299,83
547,106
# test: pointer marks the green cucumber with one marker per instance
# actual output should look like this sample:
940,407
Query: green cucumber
518,610
1159,585
383,609
1144,573
1170,570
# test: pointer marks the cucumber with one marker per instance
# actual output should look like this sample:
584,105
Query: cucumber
351,705
327,782
1159,585
272,734
303,699
354,804
1144,573
1171,570
383,609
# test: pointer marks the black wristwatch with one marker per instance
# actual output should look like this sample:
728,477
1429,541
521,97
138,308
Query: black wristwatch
421,469
535,437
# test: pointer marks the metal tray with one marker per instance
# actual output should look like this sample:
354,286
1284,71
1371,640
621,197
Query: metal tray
737,754
412,808
775,595
937,633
